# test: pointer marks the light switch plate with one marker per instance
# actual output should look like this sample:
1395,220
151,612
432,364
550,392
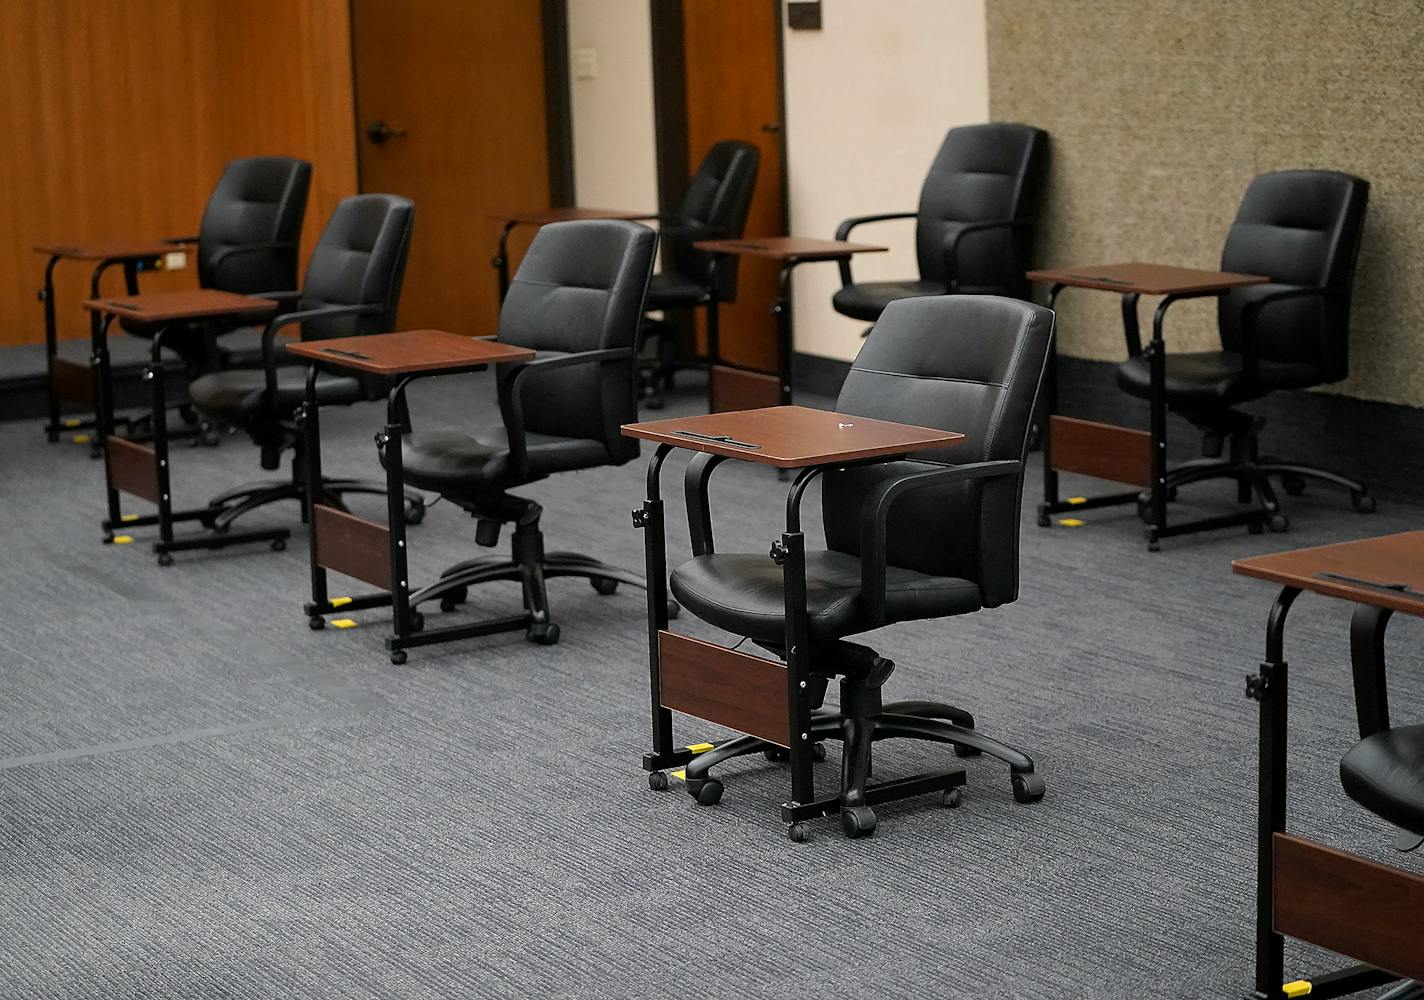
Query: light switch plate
586,64
175,260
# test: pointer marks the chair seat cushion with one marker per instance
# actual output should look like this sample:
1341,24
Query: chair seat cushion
669,291
1385,774
867,300
742,593
1212,377
238,393
457,464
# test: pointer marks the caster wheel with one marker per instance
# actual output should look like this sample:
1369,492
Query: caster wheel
417,622
657,781
1028,787
673,610
819,751
279,545
543,633
414,511
799,832
399,657
776,755
952,798
1363,502
604,585
316,623
1293,485
1279,522
454,599
1044,521
165,559
709,793
858,821
1144,512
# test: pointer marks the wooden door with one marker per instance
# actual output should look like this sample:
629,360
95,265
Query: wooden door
460,84
731,52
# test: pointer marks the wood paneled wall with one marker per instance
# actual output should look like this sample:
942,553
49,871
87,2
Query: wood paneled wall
119,115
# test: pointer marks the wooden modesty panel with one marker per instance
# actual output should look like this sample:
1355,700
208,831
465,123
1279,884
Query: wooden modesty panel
352,545
1360,909
721,685
133,468
738,389
71,381
1106,451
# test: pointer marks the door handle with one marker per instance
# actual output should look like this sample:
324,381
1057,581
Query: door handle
378,132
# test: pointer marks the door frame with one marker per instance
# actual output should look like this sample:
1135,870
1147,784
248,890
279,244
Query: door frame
674,164
558,102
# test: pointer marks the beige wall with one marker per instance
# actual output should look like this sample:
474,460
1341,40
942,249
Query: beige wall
868,101
615,158
1160,113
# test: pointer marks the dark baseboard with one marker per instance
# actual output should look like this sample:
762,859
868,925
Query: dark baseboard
1379,443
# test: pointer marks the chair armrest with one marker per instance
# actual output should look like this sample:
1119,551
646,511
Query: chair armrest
961,230
875,517
511,398
1251,313
843,233
285,300
269,335
699,510
180,240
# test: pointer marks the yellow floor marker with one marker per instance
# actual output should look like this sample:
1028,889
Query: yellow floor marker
128,517
337,602
700,747
1071,522
72,421
123,539
342,623
1077,500
80,439
1299,988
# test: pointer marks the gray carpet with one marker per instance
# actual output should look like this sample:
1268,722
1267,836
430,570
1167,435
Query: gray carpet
200,797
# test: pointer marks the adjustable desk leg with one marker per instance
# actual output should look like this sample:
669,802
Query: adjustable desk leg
1157,361
1269,687
51,348
312,495
103,410
395,512
1049,408
714,340
785,338
649,518
154,374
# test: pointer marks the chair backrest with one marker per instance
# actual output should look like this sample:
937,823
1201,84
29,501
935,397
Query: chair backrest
582,286
359,260
716,204
981,173
251,231
1298,227
967,363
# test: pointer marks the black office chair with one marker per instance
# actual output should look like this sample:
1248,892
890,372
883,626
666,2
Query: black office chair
247,243
974,229
1302,229
905,540
352,287
714,207
578,300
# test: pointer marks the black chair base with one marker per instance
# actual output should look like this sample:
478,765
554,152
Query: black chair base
530,566
861,722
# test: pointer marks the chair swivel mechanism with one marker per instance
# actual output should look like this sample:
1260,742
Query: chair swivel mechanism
352,287
1302,229
715,207
577,300
905,540
974,224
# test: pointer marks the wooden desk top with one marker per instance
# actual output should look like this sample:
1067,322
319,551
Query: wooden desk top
408,351
1144,278
1388,559
786,247
196,303
792,437
105,251
542,216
